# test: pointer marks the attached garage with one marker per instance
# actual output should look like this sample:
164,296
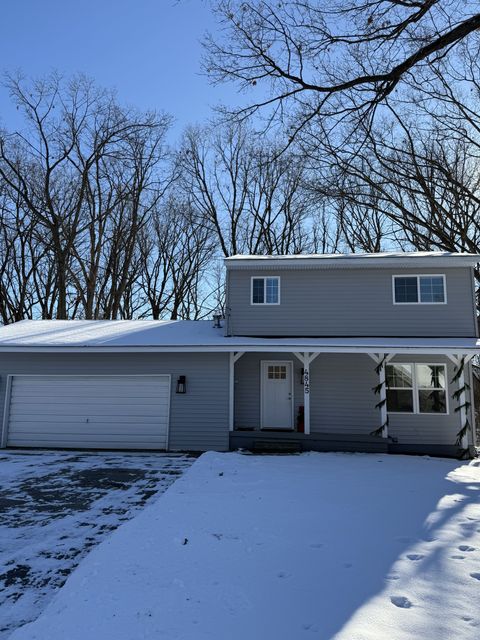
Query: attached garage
88,411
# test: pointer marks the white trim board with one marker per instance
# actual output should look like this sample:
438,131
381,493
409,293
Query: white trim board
412,259
234,344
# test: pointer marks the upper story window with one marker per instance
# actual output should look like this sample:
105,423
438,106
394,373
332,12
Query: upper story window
428,289
265,290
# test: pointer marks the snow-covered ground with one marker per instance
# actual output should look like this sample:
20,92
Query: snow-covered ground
54,507
344,546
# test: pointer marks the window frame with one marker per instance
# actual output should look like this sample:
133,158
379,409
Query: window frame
412,388
415,388
264,278
418,276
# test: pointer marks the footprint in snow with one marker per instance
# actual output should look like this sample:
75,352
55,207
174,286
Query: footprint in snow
465,547
415,557
401,601
475,575
457,557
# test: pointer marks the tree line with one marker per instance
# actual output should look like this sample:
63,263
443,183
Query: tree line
100,218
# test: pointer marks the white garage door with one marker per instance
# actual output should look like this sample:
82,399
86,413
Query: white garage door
111,412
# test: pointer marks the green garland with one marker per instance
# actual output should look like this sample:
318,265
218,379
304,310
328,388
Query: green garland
376,390
459,395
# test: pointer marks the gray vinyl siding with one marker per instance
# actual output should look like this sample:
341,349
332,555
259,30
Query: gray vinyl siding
341,398
348,302
198,419
342,401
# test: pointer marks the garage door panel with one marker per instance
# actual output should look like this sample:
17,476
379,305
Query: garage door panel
78,443
36,390
60,419
91,392
86,413
78,432
86,407
89,411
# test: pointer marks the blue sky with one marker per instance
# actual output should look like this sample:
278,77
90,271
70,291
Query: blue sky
148,50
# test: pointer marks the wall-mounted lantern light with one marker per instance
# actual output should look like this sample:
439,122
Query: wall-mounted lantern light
182,384
302,376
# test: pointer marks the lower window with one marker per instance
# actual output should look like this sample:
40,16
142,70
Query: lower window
420,388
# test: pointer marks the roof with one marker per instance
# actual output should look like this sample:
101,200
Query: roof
355,260
199,336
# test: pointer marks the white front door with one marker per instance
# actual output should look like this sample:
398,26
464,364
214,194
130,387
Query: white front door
277,394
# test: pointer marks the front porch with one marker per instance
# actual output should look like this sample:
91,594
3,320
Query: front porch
293,441
328,400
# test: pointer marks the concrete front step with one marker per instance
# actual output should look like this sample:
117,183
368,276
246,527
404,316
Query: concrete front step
276,446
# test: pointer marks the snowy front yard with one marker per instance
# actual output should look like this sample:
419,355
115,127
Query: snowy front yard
55,507
352,547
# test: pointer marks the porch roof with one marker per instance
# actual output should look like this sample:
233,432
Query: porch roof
200,336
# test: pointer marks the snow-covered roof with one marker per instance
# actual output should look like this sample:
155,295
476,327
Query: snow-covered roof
355,260
200,336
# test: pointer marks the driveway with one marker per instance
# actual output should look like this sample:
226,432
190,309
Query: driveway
55,506
314,546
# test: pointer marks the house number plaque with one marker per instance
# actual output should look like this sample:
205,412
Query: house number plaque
306,381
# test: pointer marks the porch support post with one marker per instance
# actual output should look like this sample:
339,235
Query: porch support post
383,398
462,398
231,397
233,357
306,394
306,359
463,411
381,359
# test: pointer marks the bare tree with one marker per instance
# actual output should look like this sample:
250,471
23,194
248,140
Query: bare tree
332,61
82,162
244,191
176,253
20,255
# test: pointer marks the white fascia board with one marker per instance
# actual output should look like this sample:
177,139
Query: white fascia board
283,348
353,262
422,263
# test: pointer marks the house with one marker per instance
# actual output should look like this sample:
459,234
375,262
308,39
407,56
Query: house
364,352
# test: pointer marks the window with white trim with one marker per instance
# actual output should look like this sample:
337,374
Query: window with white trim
431,388
399,388
420,388
265,290
428,289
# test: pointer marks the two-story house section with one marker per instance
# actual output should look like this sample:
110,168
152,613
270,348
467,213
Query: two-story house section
374,335
369,352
